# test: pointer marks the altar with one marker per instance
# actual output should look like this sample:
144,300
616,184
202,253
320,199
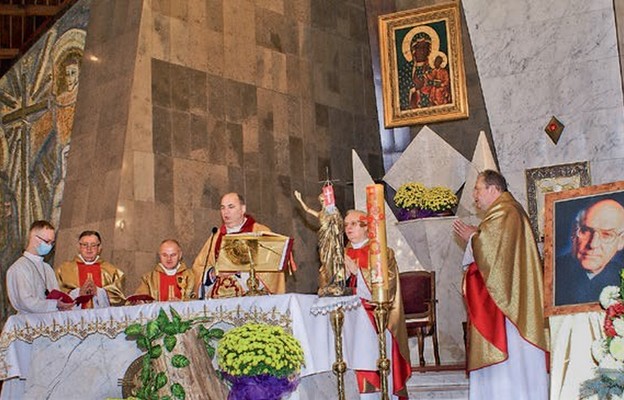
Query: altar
84,353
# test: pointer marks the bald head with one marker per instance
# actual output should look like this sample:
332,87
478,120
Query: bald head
169,253
599,234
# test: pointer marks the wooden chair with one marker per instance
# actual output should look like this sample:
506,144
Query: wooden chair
419,303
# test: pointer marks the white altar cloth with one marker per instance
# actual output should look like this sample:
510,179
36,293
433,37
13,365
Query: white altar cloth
83,353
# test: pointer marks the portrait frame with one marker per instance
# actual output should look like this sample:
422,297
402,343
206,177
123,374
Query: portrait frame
442,93
561,209
552,178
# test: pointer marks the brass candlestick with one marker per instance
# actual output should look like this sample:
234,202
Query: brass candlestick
383,363
339,367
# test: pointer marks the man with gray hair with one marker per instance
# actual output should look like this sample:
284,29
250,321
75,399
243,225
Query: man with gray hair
596,257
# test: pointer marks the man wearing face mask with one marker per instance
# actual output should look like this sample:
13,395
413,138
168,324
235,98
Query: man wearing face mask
88,275
30,279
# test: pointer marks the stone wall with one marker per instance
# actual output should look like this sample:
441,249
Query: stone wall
192,99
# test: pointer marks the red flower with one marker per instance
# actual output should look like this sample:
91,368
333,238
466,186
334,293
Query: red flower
615,310
608,327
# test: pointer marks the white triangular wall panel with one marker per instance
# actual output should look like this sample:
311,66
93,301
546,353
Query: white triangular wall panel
405,257
482,159
429,160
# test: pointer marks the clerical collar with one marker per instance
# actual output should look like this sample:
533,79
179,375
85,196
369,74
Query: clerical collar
170,272
34,257
359,245
237,228
89,262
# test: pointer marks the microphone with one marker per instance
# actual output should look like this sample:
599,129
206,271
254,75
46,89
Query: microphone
206,273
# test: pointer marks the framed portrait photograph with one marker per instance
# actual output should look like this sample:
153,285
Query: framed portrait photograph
583,246
552,178
422,66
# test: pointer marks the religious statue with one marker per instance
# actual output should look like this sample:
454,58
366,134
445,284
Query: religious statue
332,276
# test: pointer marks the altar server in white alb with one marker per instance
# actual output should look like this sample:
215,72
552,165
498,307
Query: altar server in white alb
30,279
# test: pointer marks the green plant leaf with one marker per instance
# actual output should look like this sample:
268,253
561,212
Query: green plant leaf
179,361
134,330
152,330
178,391
211,351
170,329
170,342
175,317
143,343
155,351
161,380
184,326
216,333
162,318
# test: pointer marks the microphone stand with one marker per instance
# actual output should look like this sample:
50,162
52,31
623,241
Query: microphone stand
202,294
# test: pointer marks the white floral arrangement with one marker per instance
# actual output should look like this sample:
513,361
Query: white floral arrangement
608,351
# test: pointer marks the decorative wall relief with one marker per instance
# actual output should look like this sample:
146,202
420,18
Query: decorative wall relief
37,102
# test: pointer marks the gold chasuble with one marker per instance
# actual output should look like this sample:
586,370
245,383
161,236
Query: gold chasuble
73,274
504,281
274,282
401,365
163,287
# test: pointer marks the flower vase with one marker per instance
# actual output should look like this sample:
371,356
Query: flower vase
259,387
406,214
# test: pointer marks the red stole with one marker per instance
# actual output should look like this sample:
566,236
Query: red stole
165,283
483,313
247,227
361,258
84,270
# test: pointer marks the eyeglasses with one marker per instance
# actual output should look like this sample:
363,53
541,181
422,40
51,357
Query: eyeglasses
607,236
50,241
89,245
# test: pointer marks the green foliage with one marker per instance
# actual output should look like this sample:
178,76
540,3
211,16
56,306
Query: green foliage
180,361
209,336
178,391
146,337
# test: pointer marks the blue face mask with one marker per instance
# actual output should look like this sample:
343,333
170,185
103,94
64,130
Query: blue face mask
43,249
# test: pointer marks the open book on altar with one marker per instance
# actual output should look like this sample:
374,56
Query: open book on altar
268,251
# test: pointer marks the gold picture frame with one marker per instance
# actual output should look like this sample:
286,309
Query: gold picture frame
552,178
434,88
568,230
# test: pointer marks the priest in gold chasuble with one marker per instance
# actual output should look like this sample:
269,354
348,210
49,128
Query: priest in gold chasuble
503,291
89,275
170,280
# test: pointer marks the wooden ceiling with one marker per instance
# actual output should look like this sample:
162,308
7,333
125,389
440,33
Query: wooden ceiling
21,24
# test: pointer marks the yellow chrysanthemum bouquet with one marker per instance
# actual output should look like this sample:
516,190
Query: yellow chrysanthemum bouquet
418,201
256,358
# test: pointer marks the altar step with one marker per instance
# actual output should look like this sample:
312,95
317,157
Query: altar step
438,385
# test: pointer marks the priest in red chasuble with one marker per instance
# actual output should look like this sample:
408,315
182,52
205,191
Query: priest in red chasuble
356,264
210,285
504,298
170,280
89,275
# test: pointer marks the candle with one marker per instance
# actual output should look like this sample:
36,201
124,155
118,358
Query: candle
377,254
